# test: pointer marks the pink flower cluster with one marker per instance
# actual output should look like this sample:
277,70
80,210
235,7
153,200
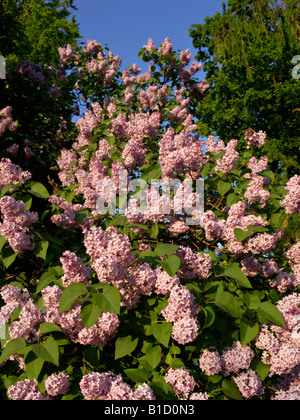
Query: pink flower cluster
31,317
255,191
228,162
11,174
237,218
67,219
257,166
108,386
15,224
74,270
71,323
14,149
6,121
194,264
58,383
182,310
13,298
249,384
181,381
66,54
291,201
106,67
233,360
112,258
179,152
26,391
280,345
255,139
269,269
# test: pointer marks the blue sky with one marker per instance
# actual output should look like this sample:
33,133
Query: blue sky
126,25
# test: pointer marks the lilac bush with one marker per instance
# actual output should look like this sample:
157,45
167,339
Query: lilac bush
135,302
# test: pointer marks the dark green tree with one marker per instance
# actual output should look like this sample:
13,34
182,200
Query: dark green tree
37,88
34,30
247,52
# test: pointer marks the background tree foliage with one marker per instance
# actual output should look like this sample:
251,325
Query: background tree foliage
247,52
30,34
34,30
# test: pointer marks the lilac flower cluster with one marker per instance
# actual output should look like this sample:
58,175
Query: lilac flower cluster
74,270
255,139
67,219
233,360
181,381
228,162
56,384
182,310
237,218
31,71
11,174
71,322
280,345
269,269
6,120
180,152
108,386
255,191
291,201
15,224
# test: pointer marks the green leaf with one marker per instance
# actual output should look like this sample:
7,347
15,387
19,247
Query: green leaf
6,188
262,370
231,390
210,316
12,347
8,256
39,190
161,389
27,200
90,313
241,235
229,303
171,265
232,199
48,351
139,376
166,249
149,257
248,331
33,365
70,295
223,187
152,174
44,281
81,215
48,327
109,300
2,242
41,249
153,356
268,174
235,272
162,332
271,313
125,346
